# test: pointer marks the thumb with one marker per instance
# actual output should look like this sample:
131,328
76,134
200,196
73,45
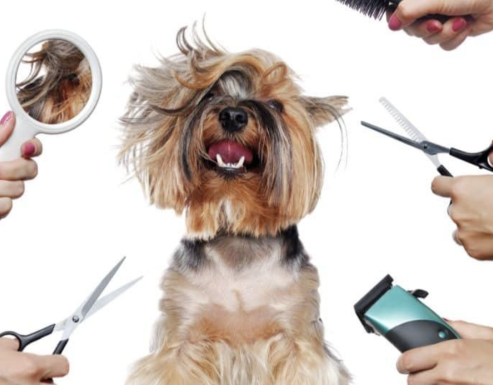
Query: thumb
472,331
7,125
409,11
53,366
490,159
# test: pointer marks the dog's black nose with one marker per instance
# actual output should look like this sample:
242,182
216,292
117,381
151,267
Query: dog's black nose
233,119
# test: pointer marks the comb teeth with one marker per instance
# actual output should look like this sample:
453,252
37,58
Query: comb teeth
412,131
372,8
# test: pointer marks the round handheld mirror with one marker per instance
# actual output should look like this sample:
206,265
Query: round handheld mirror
53,84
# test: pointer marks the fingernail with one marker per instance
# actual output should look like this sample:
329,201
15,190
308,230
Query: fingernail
29,149
394,23
433,27
459,25
6,117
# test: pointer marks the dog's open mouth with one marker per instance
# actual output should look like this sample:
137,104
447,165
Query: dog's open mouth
231,157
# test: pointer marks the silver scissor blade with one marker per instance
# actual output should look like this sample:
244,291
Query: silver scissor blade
101,303
410,128
110,297
400,138
99,289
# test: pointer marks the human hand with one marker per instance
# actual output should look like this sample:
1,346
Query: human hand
458,362
471,210
18,368
468,18
14,173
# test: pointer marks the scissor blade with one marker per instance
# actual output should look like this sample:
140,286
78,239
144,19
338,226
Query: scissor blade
101,303
410,128
99,289
110,297
400,138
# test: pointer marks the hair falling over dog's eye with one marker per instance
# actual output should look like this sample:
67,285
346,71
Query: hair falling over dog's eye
276,105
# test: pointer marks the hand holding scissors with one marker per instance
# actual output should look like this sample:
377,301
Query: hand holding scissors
471,206
89,307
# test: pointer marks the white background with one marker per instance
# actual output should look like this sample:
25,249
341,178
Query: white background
79,217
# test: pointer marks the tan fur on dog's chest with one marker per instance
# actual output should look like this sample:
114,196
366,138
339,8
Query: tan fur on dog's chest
245,293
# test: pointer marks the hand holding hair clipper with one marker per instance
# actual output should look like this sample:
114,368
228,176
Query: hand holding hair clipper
433,351
468,361
401,317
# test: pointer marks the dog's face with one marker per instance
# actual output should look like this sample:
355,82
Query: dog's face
227,137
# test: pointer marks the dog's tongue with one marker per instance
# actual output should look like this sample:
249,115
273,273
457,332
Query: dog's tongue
230,151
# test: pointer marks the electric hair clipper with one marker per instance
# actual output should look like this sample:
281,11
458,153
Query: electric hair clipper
400,317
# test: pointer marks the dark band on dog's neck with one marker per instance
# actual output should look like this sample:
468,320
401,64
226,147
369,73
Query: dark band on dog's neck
191,254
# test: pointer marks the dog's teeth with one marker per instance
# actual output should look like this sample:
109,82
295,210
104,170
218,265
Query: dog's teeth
240,163
220,161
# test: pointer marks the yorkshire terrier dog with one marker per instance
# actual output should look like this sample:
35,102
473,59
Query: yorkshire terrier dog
58,85
229,139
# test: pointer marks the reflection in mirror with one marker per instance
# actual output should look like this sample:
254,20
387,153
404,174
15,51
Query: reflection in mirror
54,81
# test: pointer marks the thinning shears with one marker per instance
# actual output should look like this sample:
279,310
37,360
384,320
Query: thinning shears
89,307
419,141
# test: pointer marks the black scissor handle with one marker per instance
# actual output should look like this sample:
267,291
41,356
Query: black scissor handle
443,171
60,347
479,159
26,340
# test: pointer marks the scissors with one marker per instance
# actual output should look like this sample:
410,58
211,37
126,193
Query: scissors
419,141
89,307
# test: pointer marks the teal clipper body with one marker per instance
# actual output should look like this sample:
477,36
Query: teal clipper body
400,317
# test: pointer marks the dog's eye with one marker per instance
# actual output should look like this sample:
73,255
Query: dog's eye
276,105
208,96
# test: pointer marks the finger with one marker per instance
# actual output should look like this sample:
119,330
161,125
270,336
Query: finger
456,41
472,331
490,159
477,246
424,378
7,124
11,189
19,169
9,344
451,29
409,11
53,366
32,148
456,237
417,360
442,186
5,207
424,29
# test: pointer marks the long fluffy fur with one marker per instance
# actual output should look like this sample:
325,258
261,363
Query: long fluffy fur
241,303
59,83
167,121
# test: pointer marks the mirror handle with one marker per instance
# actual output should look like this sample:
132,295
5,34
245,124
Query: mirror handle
23,131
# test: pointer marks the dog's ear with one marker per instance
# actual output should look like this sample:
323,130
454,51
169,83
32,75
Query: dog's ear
325,110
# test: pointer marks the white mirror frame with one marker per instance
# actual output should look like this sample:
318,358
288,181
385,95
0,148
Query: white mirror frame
26,126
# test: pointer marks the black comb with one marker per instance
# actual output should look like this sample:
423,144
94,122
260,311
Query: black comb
377,8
